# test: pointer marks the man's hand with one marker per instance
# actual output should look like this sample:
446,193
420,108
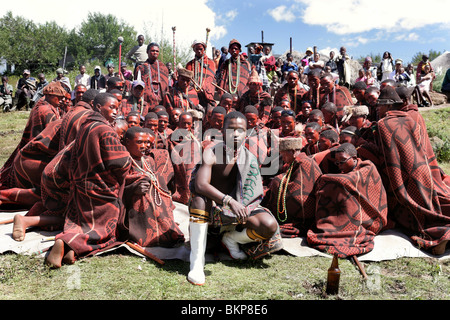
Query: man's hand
239,210
142,187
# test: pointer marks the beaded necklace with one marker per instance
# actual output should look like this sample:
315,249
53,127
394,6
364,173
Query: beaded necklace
147,171
196,66
282,193
151,80
230,75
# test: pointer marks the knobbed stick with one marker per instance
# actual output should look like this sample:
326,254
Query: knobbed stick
360,266
141,250
7,221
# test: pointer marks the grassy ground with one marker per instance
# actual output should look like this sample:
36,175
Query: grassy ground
123,276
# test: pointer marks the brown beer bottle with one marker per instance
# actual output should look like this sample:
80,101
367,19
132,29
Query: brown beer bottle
333,277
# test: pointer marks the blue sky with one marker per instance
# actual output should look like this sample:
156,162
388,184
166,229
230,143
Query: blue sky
362,26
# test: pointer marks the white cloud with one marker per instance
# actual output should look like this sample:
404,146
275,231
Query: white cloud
231,15
407,37
282,13
191,18
350,16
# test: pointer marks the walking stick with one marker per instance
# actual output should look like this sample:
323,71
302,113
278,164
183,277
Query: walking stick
208,30
120,39
7,221
174,51
361,268
141,250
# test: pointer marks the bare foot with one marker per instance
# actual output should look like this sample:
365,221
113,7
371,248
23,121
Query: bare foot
439,249
19,228
69,257
54,259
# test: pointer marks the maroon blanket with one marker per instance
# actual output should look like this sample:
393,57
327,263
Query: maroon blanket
419,201
72,121
31,160
150,216
185,154
205,77
156,78
295,206
40,116
229,69
98,168
351,211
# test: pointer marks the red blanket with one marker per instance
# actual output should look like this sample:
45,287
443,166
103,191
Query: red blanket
419,201
205,77
98,168
294,208
40,116
31,160
156,78
235,87
150,216
351,211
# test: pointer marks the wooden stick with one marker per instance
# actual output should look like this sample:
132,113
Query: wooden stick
139,249
7,221
215,85
360,266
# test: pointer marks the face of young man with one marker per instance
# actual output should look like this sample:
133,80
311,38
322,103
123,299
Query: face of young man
276,119
183,83
153,53
287,125
235,131
216,121
357,122
185,122
252,120
133,121
109,110
292,80
199,50
327,84
55,101
227,103
345,162
254,87
137,145
151,124
138,91
311,135
315,118
324,144
163,122
175,115
120,129
234,51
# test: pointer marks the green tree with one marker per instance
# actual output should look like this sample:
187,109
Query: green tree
31,46
17,40
98,38
432,54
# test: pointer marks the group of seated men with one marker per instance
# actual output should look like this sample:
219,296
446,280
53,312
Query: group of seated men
316,164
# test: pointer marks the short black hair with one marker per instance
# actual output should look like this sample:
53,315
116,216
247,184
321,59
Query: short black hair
132,131
331,135
102,98
234,115
348,148
89,95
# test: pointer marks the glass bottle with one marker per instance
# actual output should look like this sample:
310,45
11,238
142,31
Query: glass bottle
334,274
